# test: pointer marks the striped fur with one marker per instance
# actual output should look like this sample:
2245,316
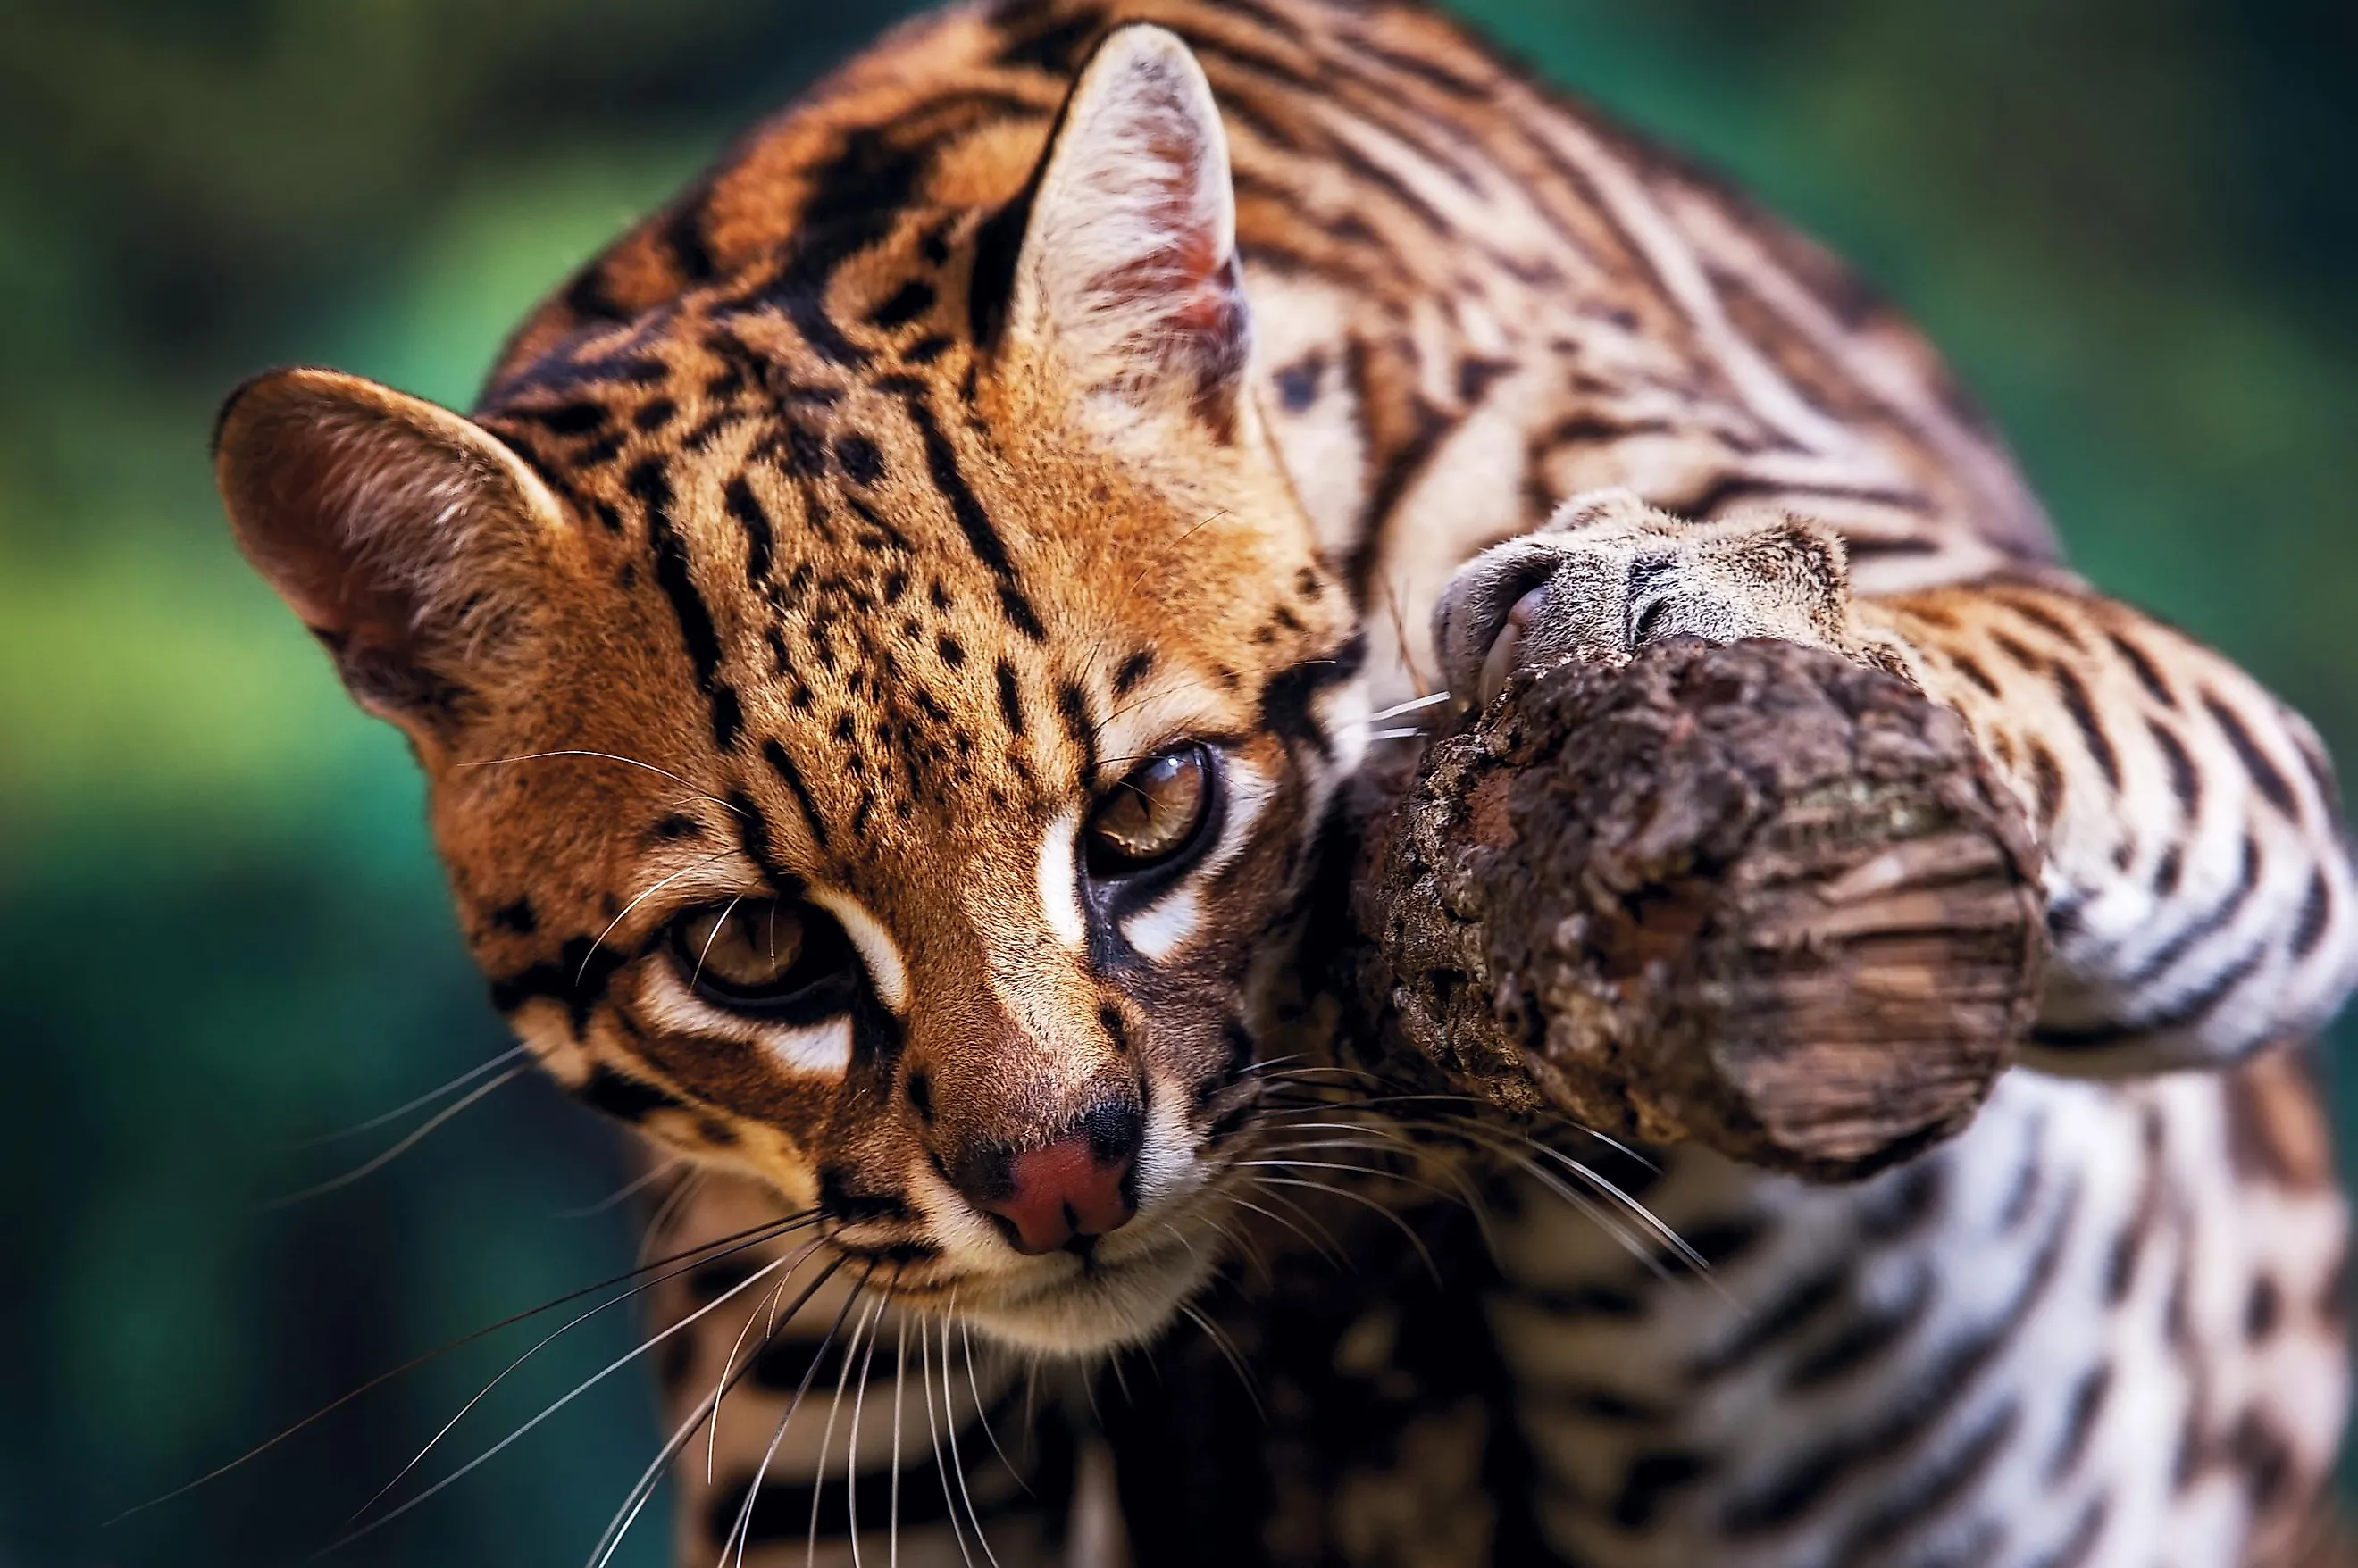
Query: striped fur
1043,392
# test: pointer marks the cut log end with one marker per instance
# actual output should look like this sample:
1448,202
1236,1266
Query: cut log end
1752,896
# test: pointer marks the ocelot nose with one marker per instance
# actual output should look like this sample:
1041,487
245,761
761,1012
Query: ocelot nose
1064,1193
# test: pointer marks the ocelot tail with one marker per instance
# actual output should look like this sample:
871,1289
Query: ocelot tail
885,648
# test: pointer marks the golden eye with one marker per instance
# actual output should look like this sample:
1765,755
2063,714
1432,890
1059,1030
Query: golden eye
1155,815
772,958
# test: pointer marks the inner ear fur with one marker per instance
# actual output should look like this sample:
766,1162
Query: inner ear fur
1128,279
409,540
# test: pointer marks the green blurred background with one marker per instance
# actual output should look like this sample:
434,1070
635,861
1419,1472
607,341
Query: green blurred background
2131,222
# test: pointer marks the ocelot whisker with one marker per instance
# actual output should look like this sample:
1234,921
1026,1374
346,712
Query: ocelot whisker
826,1435
626,1192
892,1497
751,1236
982,1414
405,1107
484,1392
932,1426
860,1398
1312,1242
1228,1352
741,1527
729,1362
578,1390
409,1141
610,757
958,1462
1414,1240
643,894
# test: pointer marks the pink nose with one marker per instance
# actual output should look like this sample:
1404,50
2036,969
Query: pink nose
1076,1186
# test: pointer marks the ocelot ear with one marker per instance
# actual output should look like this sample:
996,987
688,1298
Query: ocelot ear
1127,284
413,543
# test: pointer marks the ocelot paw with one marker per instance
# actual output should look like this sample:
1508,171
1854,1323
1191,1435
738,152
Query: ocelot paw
1606,574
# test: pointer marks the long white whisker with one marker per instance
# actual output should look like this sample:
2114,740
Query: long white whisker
610,757
580,973
405,1107
982,1414
892,1497
1411,706
826,1433
411,1141
579,1390
949,1403
627,1191
742,1528
949,1503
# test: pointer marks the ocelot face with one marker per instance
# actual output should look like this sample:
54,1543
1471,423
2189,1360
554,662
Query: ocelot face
878,705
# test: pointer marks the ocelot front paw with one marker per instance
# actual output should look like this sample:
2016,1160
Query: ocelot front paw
1606,574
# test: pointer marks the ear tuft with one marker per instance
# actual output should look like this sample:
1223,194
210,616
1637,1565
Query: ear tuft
406,538
1127,275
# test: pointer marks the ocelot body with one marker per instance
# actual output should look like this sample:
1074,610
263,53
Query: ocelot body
886,647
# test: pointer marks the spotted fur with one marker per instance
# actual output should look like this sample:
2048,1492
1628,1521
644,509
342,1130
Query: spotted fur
1059,383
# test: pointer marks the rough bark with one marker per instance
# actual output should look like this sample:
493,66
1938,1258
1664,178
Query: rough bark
1752,896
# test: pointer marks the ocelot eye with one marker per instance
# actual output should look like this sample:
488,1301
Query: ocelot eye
1153,817
767,957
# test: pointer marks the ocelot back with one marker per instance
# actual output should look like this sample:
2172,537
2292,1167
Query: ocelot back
885,649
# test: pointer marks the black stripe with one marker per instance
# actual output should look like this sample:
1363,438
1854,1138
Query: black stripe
784,766
2265,777
759,538
577,977
624,1097
2143,667
651,485
1791,1492
1011,699
2184,782
2074,693
2217,918
1072,707
2315,905
981,535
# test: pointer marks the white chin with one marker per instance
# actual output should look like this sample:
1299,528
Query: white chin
1089,1314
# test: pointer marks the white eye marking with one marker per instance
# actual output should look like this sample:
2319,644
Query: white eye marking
1157,932
877,949
823,1048
1060,890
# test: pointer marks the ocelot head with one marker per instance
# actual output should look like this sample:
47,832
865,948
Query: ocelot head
878,698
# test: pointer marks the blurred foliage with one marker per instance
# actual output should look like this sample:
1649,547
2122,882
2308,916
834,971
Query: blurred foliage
221,930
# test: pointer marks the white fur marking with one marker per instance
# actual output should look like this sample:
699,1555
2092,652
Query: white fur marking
1060,888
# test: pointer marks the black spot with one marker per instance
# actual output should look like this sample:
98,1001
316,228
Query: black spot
953,653
2263,1309
519,917
578,419
679,826
908,302
1133,670
1475,375
577,977
921,1095
655,414
859,457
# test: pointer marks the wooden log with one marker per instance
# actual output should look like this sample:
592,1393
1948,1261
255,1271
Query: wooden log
1753,896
